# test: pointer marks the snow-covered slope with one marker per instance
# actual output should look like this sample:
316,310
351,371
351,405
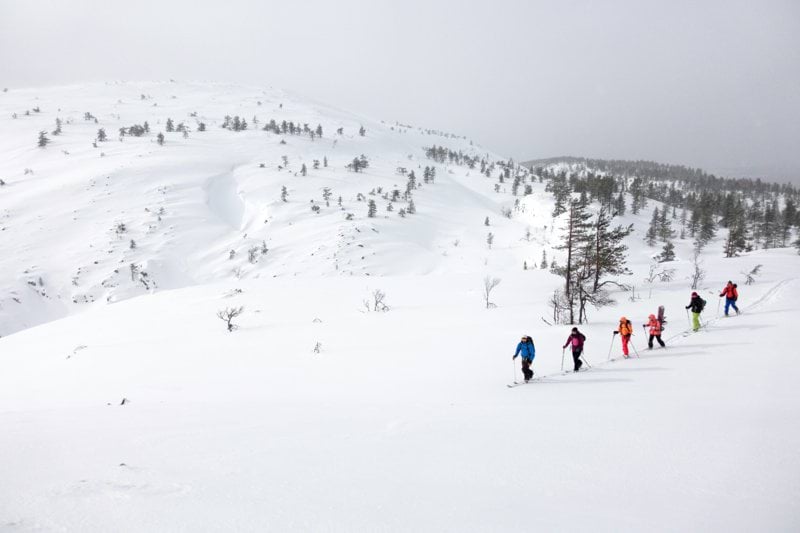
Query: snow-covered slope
403,420
69,211
140,412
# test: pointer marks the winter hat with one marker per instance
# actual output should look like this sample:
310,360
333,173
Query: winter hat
694,294
652,316
574,330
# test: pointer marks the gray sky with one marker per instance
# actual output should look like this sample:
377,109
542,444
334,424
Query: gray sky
706,83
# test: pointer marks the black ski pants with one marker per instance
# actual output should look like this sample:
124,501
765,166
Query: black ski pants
526,368
658,338
576,357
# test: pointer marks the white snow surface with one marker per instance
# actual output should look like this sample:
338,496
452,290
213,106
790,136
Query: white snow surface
402,421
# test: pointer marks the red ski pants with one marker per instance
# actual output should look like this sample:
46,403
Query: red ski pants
625,340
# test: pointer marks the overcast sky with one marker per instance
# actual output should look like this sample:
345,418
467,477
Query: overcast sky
714,84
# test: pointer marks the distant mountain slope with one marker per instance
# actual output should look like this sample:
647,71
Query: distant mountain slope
87,221
657,171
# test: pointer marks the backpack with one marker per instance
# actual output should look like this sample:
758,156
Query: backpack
701,304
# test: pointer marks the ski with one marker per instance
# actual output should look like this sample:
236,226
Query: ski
518,383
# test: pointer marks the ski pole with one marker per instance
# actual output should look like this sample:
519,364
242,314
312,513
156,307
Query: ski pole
514,369
688,320
634,348
718,302
613,334
583,356
562,358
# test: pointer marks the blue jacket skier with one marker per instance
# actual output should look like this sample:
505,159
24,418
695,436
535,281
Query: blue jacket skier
527,350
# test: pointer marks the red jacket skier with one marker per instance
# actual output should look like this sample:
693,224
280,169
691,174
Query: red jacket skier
655,331
731,294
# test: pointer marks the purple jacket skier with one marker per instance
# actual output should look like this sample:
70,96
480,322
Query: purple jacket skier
576,339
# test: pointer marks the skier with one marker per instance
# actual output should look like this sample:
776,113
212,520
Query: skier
528,352
625,331
655,332
696,305
576,339
731,295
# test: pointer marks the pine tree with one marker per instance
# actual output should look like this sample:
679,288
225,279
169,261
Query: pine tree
490,239
769,227
372,209
576,237
101,135
755,217
736,240
412,182
543,264
609,249
486,222
665,232
303,170
667,253
284,194
652,230
170,125
619,205
788,219
708,225
43,140
562,191
160,138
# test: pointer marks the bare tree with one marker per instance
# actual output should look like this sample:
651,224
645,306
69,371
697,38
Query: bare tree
489,283
228,314
750,277
698,273
378,304
559,305
656,272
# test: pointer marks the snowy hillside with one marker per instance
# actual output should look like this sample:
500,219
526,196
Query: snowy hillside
128,406
78,215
